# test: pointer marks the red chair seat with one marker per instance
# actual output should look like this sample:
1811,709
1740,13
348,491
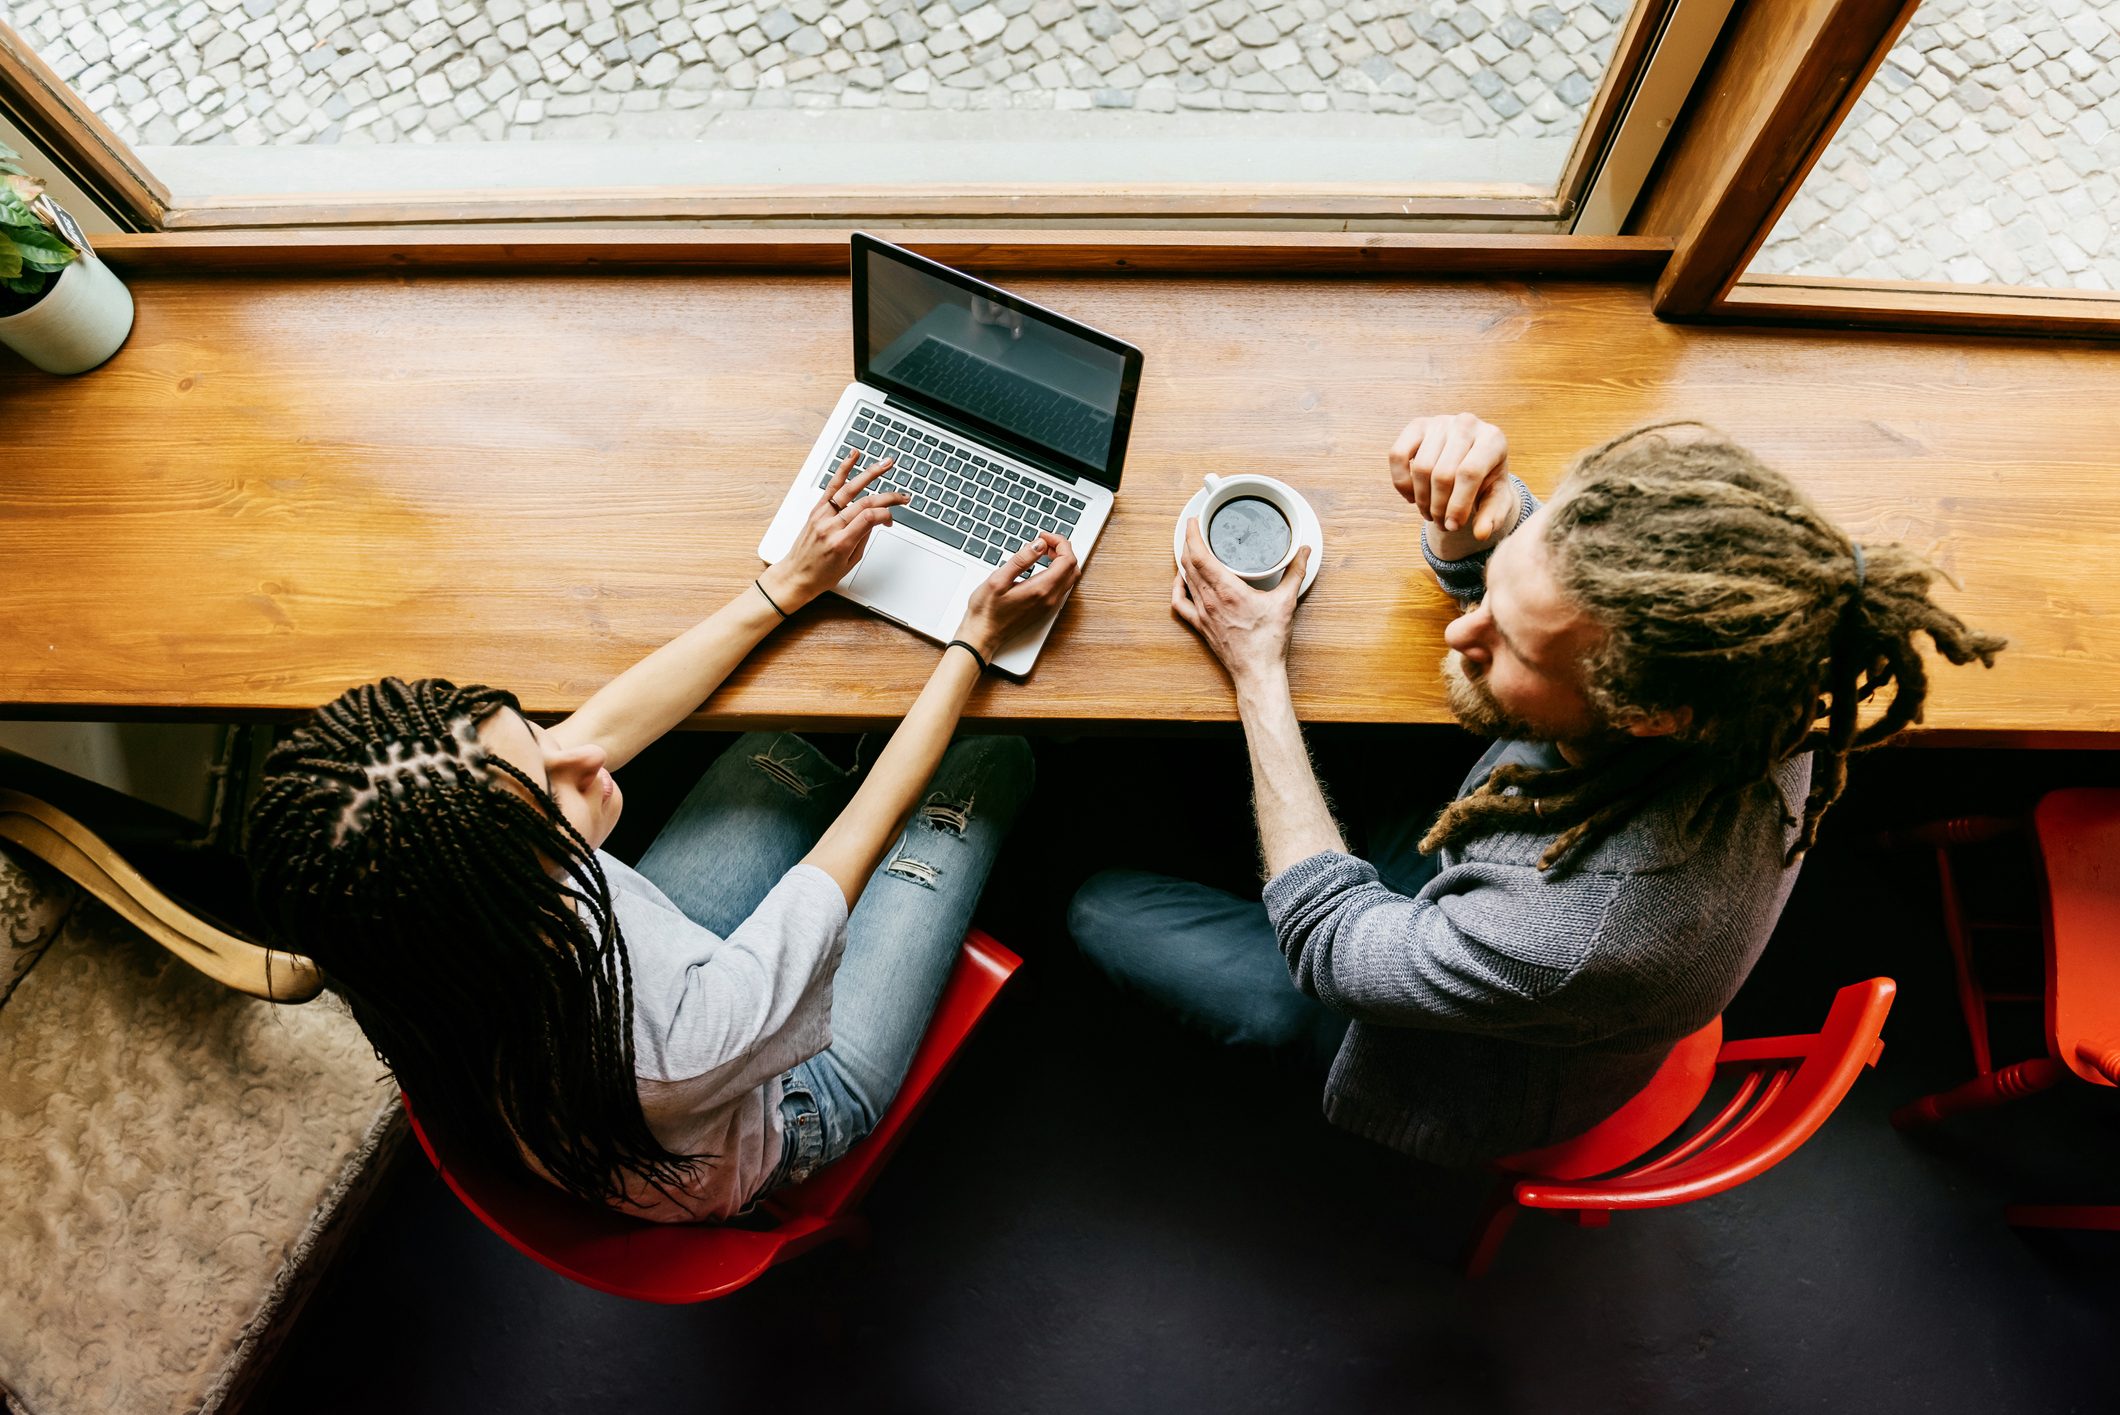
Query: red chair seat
1788,1087
657,1262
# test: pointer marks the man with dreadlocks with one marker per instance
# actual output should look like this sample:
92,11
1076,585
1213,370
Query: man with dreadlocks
679,1038
1671,655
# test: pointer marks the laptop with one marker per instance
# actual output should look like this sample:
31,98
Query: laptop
1006,419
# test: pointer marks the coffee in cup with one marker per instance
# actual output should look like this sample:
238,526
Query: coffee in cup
1249,535
1248,522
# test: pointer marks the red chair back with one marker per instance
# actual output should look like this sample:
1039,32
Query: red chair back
2079,840
657,1262
1789,1086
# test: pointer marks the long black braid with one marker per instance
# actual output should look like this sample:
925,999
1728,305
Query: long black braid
470,931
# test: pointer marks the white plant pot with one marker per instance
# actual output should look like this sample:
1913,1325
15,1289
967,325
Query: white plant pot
82,319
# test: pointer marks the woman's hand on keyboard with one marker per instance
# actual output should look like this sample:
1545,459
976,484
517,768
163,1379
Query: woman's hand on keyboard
1001,601
832,539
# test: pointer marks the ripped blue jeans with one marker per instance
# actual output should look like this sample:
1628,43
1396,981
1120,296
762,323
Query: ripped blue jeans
751,819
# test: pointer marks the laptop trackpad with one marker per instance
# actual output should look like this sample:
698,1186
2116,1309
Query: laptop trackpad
907,580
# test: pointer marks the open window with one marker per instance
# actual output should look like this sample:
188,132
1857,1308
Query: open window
1975,174
1944,164
1467,115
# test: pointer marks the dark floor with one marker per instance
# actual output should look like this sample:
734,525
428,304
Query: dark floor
1097,1214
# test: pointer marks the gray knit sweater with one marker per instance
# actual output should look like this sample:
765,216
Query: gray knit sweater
1502,1008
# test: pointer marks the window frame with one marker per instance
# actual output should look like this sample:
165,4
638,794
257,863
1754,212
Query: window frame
1780,86
75,140
328,250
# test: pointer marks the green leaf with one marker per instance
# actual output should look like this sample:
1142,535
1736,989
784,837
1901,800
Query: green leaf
9,169
10,258
14,211
29,284
8,154
41,250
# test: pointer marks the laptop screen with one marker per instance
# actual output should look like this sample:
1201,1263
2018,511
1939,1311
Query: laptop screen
1056,392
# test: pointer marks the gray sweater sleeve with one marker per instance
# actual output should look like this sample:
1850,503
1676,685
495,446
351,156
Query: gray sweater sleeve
1457,957
1466,580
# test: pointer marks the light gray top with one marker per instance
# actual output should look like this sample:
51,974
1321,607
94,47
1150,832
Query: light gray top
716,1021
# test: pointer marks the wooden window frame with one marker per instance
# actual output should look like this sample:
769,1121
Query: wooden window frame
82,145
1784,78
326,250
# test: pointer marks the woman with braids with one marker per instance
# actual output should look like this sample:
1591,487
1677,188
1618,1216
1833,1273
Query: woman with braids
1673,655
677,1039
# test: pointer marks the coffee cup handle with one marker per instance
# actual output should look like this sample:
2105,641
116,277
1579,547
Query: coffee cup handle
1212,482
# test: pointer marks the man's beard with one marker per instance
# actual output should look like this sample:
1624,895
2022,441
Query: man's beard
1475,708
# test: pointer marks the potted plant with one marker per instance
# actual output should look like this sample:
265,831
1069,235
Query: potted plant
60,307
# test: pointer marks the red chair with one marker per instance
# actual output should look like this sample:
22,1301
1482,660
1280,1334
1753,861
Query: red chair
1788,1086
657,1262
2077,836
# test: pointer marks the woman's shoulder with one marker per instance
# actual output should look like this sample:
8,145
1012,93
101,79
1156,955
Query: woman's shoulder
635,897
626,880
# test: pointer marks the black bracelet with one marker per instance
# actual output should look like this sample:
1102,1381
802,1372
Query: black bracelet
977,657
769,599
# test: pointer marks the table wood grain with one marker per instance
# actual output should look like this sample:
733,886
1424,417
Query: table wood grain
283,486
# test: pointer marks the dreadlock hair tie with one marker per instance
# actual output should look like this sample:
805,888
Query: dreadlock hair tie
1856,548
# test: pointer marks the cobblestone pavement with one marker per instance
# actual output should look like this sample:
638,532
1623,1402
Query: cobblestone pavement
348,71
1983,152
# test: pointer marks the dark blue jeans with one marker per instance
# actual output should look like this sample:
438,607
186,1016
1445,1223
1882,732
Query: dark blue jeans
1210,958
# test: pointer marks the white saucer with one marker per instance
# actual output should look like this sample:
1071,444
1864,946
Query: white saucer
1308,532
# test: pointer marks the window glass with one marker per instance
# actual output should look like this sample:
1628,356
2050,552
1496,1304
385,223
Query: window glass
1983,152
241,96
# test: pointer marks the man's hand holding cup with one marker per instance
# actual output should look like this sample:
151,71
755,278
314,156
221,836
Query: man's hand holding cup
1248,628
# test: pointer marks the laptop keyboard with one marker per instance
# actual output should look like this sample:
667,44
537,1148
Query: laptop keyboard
961,496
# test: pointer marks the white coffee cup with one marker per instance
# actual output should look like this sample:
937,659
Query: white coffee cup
1223,490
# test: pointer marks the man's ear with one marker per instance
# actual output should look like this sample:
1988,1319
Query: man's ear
1661,724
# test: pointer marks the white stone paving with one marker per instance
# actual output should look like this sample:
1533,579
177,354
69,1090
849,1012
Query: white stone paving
350,71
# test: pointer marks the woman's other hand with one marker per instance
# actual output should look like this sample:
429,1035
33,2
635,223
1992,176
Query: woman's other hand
1001,602
832,539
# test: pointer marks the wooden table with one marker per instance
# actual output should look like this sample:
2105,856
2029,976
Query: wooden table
283,486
